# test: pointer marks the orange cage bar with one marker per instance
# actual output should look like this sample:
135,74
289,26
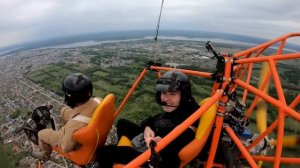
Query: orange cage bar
243,62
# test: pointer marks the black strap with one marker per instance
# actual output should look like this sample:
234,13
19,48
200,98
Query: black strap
155,158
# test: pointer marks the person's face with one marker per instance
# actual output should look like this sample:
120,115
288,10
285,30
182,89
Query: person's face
172,100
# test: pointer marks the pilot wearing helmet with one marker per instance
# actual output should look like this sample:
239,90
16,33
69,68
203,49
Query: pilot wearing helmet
173,93
78,90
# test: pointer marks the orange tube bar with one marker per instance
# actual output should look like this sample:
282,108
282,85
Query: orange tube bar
240,75
191,72
265,45
239,144
269,99
282,159
176,132
277,82
228,72
131,91
253,104
280,49
237,67
265,58
261,50
273,125
158,74
40,164
264,134
215,140
256,99
258,53
220,112
214,88
250,67
280,132
280,128
295,102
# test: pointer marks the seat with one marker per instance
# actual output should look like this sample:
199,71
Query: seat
191,150
94,134
124,141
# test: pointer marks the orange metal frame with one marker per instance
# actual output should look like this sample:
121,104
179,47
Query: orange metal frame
244,63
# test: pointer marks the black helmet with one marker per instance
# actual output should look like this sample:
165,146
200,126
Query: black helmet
174,80
78,88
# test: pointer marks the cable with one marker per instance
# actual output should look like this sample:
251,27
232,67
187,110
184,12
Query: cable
155,39
157,30
158,22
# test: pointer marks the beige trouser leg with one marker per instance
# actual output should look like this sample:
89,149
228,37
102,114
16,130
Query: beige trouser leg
48,138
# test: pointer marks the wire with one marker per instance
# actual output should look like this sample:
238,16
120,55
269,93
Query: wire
157,30
154,50
158,22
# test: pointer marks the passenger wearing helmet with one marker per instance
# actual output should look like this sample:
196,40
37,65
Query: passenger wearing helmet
78,90
173,92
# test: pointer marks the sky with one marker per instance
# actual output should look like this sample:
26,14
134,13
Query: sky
29,20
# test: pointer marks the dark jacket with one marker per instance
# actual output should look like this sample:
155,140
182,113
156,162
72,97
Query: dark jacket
161,124
164,123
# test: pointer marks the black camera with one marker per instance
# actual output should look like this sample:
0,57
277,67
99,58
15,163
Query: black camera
40,119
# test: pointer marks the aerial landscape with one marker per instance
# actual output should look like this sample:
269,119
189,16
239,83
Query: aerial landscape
32,73
32,78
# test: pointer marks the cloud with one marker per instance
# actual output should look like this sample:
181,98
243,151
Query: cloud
35,19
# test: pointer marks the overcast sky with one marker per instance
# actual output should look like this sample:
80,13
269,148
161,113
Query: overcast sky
28,20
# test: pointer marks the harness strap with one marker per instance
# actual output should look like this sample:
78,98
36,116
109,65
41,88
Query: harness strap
97,100
193,128
82,118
